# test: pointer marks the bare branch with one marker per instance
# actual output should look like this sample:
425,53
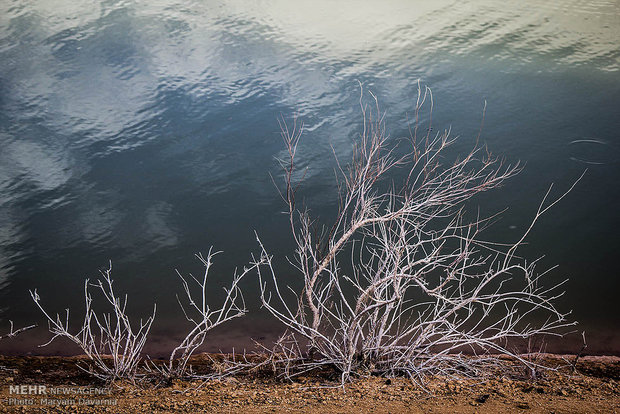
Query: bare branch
425,286
13,333
109,340
205,319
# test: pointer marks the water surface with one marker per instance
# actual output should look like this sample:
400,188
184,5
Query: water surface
144,132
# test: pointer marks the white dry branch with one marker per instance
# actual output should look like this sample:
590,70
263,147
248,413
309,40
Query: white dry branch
13,333
425,293
203,318
110,342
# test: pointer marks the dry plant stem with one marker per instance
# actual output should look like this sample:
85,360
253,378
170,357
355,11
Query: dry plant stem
203,317
580,353
424,285
13,333
107,339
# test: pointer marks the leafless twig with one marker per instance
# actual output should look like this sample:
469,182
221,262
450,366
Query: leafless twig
580,353
13,333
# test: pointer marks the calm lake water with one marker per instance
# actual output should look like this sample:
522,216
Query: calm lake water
145,132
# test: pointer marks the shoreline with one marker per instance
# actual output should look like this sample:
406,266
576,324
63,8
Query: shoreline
604,343
593,387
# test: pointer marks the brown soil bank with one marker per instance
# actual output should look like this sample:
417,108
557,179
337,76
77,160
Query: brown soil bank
593,388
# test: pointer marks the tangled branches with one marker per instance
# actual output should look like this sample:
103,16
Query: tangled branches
204,318
108,340
423,286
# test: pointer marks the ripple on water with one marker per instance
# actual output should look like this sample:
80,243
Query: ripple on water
593,151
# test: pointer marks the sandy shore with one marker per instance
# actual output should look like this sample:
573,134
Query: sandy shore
593,388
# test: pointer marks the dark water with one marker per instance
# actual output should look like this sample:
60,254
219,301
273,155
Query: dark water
143,133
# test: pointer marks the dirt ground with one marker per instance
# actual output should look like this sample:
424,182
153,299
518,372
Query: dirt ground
593,388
